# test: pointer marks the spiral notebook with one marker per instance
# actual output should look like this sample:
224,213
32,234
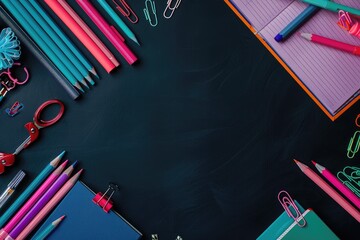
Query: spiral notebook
86,220
330,77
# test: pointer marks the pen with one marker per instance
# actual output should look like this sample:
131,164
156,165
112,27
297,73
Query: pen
109,31
11,187
332,43
332,6
296,23
30,189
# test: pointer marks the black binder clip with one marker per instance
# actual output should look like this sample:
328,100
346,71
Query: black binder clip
103,201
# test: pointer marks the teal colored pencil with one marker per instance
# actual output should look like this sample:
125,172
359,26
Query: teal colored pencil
48,229
57,40
63,37
45,44
30,189
118,20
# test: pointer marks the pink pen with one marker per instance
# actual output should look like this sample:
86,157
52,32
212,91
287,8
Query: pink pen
339,185
28,205
109,31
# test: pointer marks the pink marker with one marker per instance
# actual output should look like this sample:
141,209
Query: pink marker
339,185
31,202
109,31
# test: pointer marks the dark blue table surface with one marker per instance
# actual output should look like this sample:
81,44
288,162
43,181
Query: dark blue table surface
200,134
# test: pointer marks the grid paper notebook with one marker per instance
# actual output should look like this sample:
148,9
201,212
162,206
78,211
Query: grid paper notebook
332,77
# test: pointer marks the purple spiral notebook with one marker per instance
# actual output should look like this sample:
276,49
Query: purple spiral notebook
332,76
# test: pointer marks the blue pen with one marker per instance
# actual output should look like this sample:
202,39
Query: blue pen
296,23
30,189
118,20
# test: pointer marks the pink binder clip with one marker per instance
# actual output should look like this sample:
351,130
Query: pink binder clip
346,23
103,201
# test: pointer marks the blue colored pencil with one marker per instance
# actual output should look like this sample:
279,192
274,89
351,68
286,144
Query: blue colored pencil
48,229
46,44
30,189
296,23
57,40
63,37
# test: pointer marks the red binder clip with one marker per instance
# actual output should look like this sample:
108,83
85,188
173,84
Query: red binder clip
103,201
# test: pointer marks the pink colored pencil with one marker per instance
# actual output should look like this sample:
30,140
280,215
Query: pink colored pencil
49,206
329,190
88,31
339,185
109,31
88,42
332,43
31,202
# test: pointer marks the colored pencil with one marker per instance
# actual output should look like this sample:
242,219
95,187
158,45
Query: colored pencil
49,229
79,32
45,198
329,190
332,43
64,37
339,185
47,40
38,53
73,60
30,189
41,43
88,31
32,201
118,20
50,205
110,32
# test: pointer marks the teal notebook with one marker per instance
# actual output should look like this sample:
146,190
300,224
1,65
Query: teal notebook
279,225
86,220
314,229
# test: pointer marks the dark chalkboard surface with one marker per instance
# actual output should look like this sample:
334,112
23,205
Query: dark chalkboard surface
200,134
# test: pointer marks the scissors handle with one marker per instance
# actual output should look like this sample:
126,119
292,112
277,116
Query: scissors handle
40,123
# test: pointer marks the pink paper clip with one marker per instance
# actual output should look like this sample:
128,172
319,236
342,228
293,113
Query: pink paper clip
14,109
346,23
290,208
126,11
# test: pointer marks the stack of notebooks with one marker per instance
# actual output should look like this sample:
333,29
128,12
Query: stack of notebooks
329,76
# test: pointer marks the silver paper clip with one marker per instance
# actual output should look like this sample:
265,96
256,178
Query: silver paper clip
171,9
126,11
147,12
14,109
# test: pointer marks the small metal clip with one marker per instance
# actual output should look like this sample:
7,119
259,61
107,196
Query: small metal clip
14,109
126,11
350,177
147,12
171,9
103,201
154,237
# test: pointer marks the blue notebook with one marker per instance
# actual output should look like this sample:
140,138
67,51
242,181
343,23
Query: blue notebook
86,220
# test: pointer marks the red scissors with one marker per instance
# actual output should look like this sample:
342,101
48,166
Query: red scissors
8,159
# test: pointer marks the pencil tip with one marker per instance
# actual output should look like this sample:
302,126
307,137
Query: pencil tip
296,161
74,164
93,71
83,81
307,36
313,162
78,86
61,154
64,163
89,79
